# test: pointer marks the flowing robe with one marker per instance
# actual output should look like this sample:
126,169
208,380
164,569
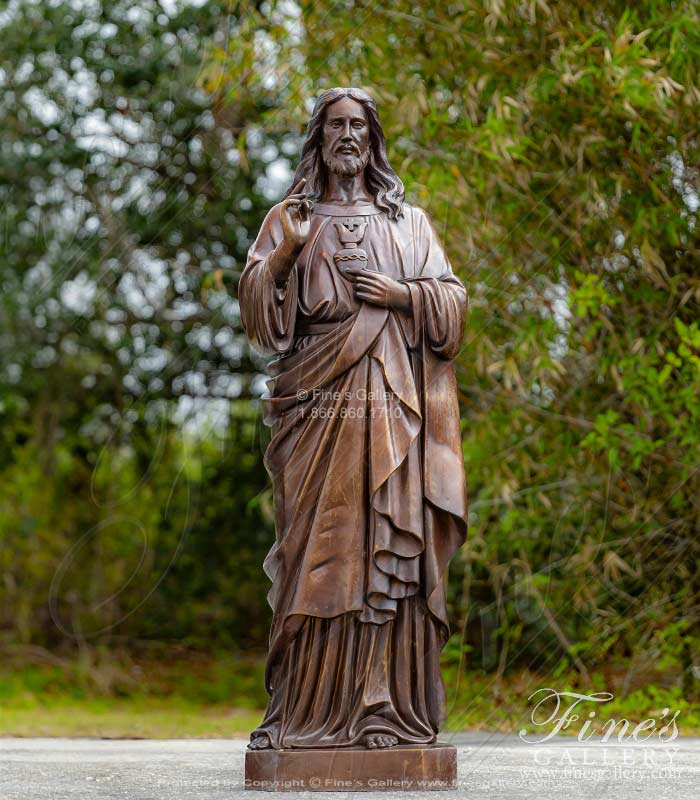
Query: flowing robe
368,478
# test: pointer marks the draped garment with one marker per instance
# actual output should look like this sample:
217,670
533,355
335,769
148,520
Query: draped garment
368,478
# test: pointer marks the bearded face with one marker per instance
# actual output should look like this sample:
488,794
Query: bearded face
345,147
348,164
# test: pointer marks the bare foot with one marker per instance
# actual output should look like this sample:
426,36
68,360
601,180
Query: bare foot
261,742
375,740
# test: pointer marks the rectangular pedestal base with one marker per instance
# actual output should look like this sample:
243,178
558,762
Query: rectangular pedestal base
353,769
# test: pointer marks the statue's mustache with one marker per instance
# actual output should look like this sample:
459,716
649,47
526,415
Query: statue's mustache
339,164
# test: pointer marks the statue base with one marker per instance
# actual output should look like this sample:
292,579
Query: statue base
353,769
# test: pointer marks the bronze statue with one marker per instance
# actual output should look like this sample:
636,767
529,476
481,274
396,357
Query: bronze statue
348,285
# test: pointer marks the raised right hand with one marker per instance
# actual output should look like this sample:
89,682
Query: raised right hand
296,218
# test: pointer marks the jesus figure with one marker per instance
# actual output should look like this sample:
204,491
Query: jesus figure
349,287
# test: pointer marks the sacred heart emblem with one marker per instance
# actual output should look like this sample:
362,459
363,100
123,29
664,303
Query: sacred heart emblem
350,232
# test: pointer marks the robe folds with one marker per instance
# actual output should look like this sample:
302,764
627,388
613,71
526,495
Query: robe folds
368,478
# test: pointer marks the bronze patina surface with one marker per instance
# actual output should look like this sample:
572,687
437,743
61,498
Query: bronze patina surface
403,768
348,287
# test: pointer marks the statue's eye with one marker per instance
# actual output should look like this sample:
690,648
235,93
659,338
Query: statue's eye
358,124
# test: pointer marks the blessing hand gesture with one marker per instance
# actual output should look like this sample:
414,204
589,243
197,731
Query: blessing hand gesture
296,218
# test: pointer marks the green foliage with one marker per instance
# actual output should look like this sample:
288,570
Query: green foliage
555,148
177,697
161,545
130,459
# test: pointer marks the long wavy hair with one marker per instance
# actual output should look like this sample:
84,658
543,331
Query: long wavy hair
384,184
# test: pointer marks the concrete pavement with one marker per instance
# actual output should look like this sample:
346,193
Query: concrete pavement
490,766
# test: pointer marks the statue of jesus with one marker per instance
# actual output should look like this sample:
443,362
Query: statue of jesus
349,287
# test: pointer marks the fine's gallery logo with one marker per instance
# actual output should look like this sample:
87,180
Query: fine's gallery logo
562,709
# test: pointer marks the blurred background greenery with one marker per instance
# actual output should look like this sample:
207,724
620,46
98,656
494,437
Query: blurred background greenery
555,146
